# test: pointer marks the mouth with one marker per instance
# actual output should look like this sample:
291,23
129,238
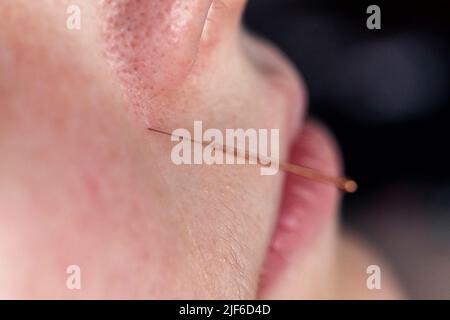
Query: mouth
306,206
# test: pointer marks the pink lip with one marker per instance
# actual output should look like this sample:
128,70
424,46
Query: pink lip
306,205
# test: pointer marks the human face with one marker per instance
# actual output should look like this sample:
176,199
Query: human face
85,183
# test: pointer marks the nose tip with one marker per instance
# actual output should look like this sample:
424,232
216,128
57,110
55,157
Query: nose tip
224,18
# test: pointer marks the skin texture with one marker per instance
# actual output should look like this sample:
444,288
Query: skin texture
83,182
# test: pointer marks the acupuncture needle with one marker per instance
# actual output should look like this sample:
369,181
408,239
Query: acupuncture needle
343,183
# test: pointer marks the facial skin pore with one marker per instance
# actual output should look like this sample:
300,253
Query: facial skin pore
84,183
142,36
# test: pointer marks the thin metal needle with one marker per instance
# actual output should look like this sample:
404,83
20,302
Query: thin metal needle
342,183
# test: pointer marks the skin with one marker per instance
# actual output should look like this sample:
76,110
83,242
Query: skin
83,182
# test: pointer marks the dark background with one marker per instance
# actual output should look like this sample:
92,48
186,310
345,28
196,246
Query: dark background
384,94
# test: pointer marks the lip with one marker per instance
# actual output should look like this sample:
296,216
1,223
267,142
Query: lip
306,206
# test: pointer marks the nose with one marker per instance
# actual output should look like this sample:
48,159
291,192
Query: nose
152,44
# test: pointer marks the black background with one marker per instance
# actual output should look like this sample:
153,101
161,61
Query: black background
385,96
384,93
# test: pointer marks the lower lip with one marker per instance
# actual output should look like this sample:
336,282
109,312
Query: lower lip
306,205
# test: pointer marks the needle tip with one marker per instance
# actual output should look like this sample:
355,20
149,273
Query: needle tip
350,186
